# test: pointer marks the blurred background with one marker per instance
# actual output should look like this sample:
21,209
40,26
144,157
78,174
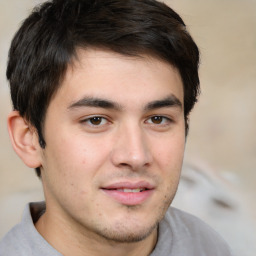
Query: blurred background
221,145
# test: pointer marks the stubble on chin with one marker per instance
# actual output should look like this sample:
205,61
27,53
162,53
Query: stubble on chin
128,231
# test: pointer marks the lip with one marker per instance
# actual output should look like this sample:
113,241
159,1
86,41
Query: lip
130,185
129,198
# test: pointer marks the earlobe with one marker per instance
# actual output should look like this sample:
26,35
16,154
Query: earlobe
24,140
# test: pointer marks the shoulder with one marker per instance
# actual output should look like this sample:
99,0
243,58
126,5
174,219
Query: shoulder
186,222
13,243
17,241
23,239
196,231
181,233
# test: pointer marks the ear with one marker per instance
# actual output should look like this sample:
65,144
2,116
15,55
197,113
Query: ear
24,140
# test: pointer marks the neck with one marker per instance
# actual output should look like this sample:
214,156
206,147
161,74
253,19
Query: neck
71,241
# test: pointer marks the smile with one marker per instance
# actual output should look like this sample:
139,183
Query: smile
128,190
128,193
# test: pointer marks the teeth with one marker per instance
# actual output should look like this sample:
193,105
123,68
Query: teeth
128,190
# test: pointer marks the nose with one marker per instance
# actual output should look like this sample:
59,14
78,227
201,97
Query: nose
131,148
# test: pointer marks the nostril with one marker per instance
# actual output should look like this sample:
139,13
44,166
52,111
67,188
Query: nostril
123,164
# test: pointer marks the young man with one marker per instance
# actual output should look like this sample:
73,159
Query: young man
101,92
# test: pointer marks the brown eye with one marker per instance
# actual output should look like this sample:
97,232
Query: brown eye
97,120
157,119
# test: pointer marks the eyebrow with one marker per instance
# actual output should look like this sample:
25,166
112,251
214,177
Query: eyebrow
95,102
169,101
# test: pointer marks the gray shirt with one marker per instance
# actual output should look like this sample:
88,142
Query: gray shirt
180,234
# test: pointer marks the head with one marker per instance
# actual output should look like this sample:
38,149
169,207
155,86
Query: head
103,90
48,40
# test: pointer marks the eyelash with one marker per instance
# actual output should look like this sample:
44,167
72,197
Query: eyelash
160,121
95,118
160,118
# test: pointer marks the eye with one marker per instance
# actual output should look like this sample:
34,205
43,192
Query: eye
159,120
95,121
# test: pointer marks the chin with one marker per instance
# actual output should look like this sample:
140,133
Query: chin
127,236
130,228
132,225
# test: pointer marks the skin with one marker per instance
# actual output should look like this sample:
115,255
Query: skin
114,119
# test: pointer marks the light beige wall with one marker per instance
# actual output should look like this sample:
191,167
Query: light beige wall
222,135
224,122
14,176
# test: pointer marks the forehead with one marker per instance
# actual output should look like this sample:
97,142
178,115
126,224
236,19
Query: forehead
103,73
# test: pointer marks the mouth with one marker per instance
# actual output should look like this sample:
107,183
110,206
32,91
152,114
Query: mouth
128,190
127,193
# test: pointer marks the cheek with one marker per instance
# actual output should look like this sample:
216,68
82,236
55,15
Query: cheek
77,152
77,163
170,152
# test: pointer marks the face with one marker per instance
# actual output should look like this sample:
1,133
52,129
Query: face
115,138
